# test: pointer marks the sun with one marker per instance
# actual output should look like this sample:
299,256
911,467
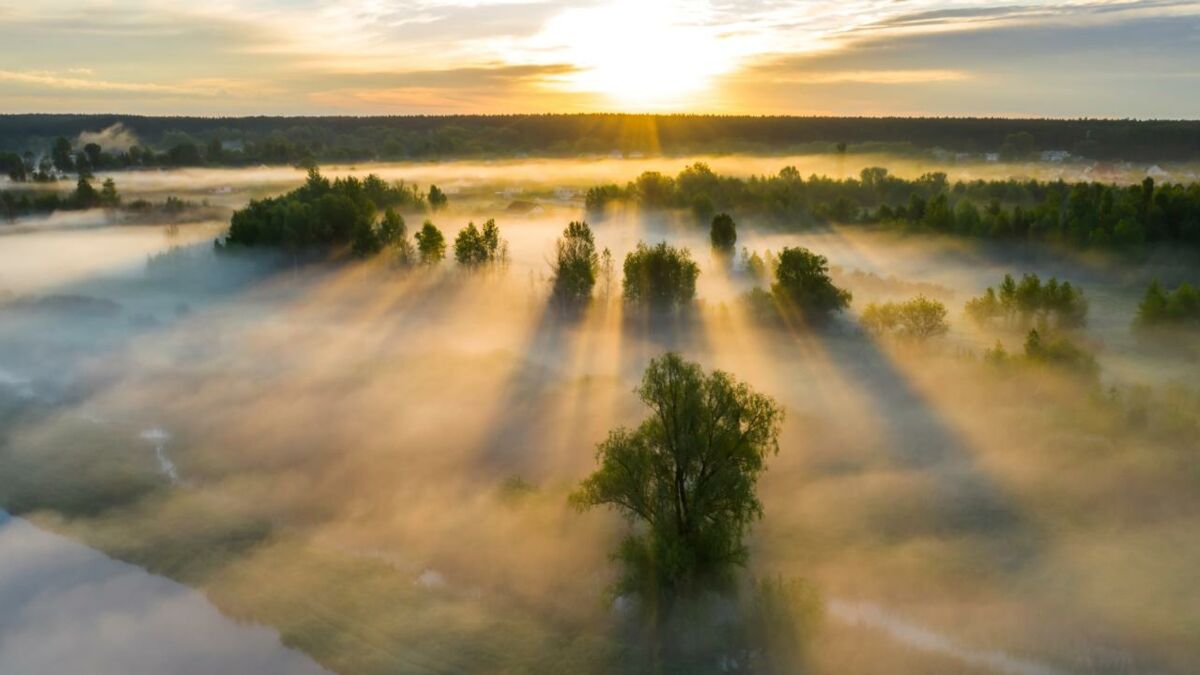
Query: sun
638,55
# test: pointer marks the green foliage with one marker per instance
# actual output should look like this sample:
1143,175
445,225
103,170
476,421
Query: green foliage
597,198
437,199
723,234
1050,303
575,266
687,476
660,277
917,319
475,247
61,155
1160,307
431,244
1060,352
781,617
802,285
85,196
13,166
109,197
322,213
1079,215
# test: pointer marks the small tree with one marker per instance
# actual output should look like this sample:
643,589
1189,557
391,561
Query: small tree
392,228
686,476
109,197
723,235
802,284
85,196
575,265
431,244
660,276
474,247
437,198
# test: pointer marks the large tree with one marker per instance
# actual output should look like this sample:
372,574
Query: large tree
686,476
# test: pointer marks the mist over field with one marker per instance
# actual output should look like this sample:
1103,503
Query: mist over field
372,462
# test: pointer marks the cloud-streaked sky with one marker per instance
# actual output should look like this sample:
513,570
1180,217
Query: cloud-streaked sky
1102,58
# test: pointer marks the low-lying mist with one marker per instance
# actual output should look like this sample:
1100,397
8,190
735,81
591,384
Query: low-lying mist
375,460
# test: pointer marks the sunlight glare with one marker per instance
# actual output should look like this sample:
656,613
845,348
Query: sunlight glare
638,54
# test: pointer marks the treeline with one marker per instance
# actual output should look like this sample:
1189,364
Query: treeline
1076,214
293,139
17,203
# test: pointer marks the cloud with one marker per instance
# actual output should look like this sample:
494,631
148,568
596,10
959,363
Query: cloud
56,81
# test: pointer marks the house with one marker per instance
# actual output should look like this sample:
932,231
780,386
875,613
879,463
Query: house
1055,155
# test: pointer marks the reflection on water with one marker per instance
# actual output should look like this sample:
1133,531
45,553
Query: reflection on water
69,609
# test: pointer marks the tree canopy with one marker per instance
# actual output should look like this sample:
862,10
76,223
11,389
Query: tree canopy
1031,300
476,247
660,277
322,213
687,475
1160,307
723,234
575,265
802,285
431,244
919,319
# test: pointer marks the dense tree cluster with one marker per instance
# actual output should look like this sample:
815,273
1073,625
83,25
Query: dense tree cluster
660,277
1079,214
477,247
1030,301
276,140
917,319
1160,307
324,213
687,476
16,203
575,265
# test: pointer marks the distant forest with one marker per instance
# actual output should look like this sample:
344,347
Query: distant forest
130,140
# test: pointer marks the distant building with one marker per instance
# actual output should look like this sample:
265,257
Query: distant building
991,157
1055,155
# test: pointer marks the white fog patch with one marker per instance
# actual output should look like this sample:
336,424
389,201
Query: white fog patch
431,579
69,609
159,437
918,637
112,137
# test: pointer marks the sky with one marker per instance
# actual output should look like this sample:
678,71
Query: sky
1054,58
